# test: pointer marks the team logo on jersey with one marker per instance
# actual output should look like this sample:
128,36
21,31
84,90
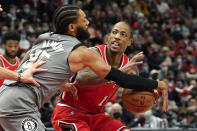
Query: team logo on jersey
29,124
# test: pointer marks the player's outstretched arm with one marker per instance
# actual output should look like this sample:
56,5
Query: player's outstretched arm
83,57
26,76
8,74
87,77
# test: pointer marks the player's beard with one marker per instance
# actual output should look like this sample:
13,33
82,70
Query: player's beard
82,34
9,55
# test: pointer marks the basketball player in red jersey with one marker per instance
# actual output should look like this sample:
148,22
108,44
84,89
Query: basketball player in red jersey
26,76
9,60
86,113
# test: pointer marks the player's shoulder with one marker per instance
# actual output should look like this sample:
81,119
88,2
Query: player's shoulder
97,48
94,48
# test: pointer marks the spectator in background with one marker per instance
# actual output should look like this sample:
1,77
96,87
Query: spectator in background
116,111
138,121
107,108
193,84
9,60
154,122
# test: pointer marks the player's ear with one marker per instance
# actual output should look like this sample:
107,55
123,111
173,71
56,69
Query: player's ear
72,27
131,41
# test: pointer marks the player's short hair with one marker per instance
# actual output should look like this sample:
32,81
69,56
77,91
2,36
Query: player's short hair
10,36
63,16
126,23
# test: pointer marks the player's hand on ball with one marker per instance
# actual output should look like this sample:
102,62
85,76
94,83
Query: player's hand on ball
156,94
27,75
71,89
163,90
132,63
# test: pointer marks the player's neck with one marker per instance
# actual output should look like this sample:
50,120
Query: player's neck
10,60
114,59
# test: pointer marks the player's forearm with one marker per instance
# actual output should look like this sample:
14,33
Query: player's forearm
131,81
97,64
8,74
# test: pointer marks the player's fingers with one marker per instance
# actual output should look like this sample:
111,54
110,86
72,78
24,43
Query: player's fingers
35,83
75,94
39,63
74,91
140,53
40,70
134,61
134,64
156,94
137,56
139,63
131,72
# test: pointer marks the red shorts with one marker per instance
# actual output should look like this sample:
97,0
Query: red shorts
65,118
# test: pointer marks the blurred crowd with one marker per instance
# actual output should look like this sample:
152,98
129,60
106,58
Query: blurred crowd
165,30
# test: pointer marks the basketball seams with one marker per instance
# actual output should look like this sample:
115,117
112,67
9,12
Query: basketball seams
138,101
133,104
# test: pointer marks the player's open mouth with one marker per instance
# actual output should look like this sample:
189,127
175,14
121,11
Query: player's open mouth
115,44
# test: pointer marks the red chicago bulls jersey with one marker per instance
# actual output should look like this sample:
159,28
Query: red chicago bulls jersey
8,65
93,99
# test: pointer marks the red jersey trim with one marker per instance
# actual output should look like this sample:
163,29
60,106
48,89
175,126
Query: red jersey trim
4,59
103,52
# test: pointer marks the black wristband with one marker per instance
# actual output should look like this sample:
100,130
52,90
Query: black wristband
19,77
131,81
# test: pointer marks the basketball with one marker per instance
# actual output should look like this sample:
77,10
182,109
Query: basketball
138,101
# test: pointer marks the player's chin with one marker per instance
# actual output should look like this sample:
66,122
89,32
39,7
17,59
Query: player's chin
12,56
115,50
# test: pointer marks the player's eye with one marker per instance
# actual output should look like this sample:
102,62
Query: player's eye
114,32
123,34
